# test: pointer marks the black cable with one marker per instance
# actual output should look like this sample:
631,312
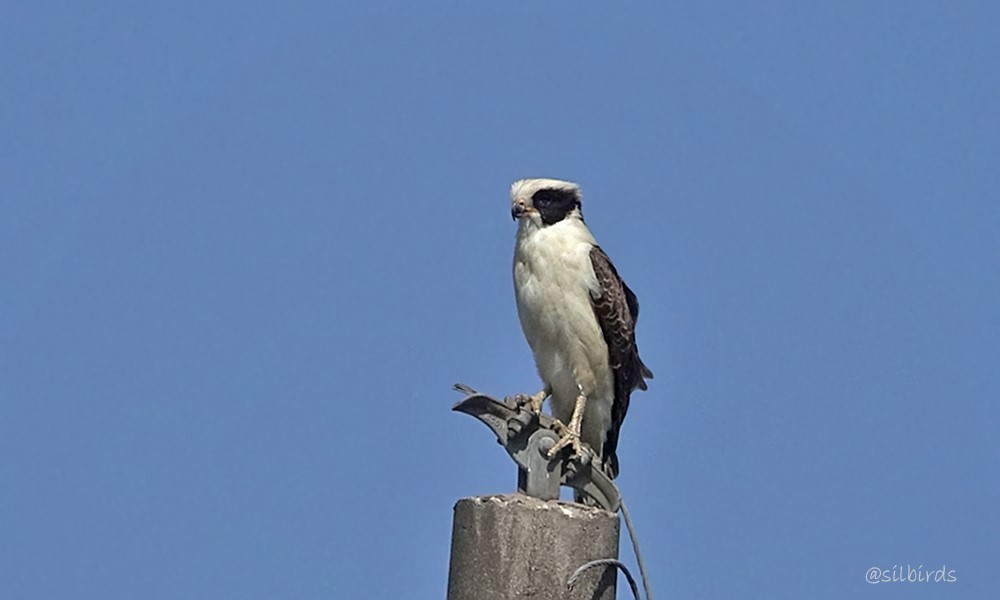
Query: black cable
635,546
605,561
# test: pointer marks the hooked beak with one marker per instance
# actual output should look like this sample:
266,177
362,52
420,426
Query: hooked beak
517,210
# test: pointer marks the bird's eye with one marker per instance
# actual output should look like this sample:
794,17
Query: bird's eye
549,197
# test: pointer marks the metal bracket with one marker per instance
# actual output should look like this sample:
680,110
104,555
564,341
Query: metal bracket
527,438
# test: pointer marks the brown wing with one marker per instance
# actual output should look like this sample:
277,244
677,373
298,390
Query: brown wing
617,310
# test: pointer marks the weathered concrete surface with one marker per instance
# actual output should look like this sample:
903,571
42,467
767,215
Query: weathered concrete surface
507,547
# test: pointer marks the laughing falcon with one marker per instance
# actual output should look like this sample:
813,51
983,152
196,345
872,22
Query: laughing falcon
578,316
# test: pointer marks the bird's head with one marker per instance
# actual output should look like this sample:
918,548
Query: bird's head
544,202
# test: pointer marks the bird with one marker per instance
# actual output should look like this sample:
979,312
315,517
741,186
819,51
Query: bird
578,317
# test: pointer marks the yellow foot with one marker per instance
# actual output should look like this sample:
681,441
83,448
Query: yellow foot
570,436
534,403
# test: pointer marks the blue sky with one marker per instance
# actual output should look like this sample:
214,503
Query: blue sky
246,248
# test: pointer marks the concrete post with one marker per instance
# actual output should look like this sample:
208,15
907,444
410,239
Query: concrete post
516,546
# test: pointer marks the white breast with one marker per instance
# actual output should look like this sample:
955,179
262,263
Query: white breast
553,281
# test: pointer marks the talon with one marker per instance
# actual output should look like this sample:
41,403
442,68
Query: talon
568,437
534,403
